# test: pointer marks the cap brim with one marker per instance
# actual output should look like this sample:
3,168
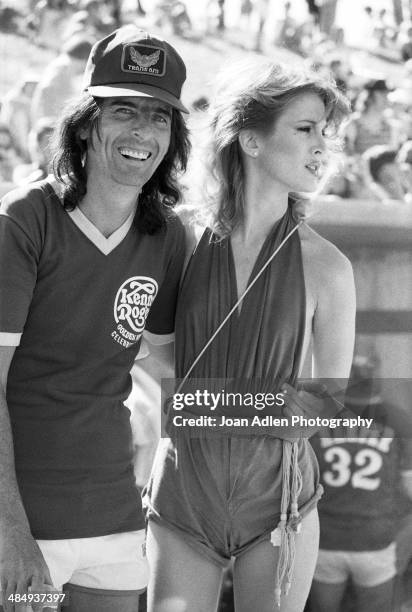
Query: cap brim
138,90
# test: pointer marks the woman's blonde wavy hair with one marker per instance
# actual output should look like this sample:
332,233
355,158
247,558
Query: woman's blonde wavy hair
253,95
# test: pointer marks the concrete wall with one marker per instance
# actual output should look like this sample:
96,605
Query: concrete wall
377,238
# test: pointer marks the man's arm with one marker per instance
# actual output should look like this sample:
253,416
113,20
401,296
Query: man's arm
21,562
157,360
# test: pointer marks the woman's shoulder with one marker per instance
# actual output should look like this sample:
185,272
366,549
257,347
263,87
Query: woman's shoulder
327,271
322,258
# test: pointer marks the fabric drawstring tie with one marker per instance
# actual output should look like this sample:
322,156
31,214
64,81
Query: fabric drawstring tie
290,519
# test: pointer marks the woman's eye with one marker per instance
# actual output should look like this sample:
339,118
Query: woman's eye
306,129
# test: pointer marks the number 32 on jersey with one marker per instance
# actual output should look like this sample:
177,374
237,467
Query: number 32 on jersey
360,470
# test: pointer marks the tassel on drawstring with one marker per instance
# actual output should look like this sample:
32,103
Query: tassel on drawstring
288,526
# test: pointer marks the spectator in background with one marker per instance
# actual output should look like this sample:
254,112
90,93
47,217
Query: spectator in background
370,124
61,81
367,25
313,10
340,72
383,174
140,10
327,14
246,11
287,31
345,183
15,113
364,473
406,40
39,146
9,157
92,20
404,159
401,105
49,19
385,30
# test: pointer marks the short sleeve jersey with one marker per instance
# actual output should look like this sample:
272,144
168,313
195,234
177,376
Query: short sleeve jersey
75,305
360,473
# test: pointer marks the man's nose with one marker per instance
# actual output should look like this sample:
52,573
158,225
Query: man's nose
140,125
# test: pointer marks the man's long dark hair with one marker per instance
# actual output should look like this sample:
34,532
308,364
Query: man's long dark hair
158,195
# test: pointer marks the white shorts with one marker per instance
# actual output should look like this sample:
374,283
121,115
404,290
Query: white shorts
116,562
366,569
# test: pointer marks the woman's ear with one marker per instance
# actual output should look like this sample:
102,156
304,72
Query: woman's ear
249,143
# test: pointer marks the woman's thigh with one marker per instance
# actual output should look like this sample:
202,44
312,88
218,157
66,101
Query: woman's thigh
255,572
181,579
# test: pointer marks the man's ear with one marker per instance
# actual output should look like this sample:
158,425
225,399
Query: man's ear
84,133
249,143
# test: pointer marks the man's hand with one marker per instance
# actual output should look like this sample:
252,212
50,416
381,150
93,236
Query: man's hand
21,565
310,401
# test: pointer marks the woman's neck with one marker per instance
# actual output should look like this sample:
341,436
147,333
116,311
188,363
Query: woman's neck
264,205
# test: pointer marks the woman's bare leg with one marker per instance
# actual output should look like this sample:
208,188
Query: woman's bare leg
254,572
181,579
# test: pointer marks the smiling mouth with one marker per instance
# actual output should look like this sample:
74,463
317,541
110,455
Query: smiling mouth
138,154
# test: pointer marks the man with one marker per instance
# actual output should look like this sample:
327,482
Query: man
87,263
367,476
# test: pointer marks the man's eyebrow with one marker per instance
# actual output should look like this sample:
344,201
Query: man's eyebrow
117,102
166,110
157,109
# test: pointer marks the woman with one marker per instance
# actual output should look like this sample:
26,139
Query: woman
213,498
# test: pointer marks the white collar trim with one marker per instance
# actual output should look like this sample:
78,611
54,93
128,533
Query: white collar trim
105,245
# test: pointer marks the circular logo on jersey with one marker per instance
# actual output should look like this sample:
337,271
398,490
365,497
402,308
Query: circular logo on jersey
133,301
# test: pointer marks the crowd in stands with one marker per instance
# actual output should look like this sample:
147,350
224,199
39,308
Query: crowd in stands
375,162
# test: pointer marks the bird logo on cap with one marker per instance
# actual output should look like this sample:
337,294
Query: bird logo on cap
144,61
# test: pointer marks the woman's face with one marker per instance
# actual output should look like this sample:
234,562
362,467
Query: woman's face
293,154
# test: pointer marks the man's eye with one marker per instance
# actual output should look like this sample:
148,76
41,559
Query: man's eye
123,111
305,128
162,119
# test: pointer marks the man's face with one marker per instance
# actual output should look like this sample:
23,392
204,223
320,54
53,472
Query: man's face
132,140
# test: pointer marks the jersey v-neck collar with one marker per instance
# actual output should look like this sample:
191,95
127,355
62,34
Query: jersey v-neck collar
105,245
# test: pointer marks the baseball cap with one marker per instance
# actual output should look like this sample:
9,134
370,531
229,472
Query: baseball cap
131,62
